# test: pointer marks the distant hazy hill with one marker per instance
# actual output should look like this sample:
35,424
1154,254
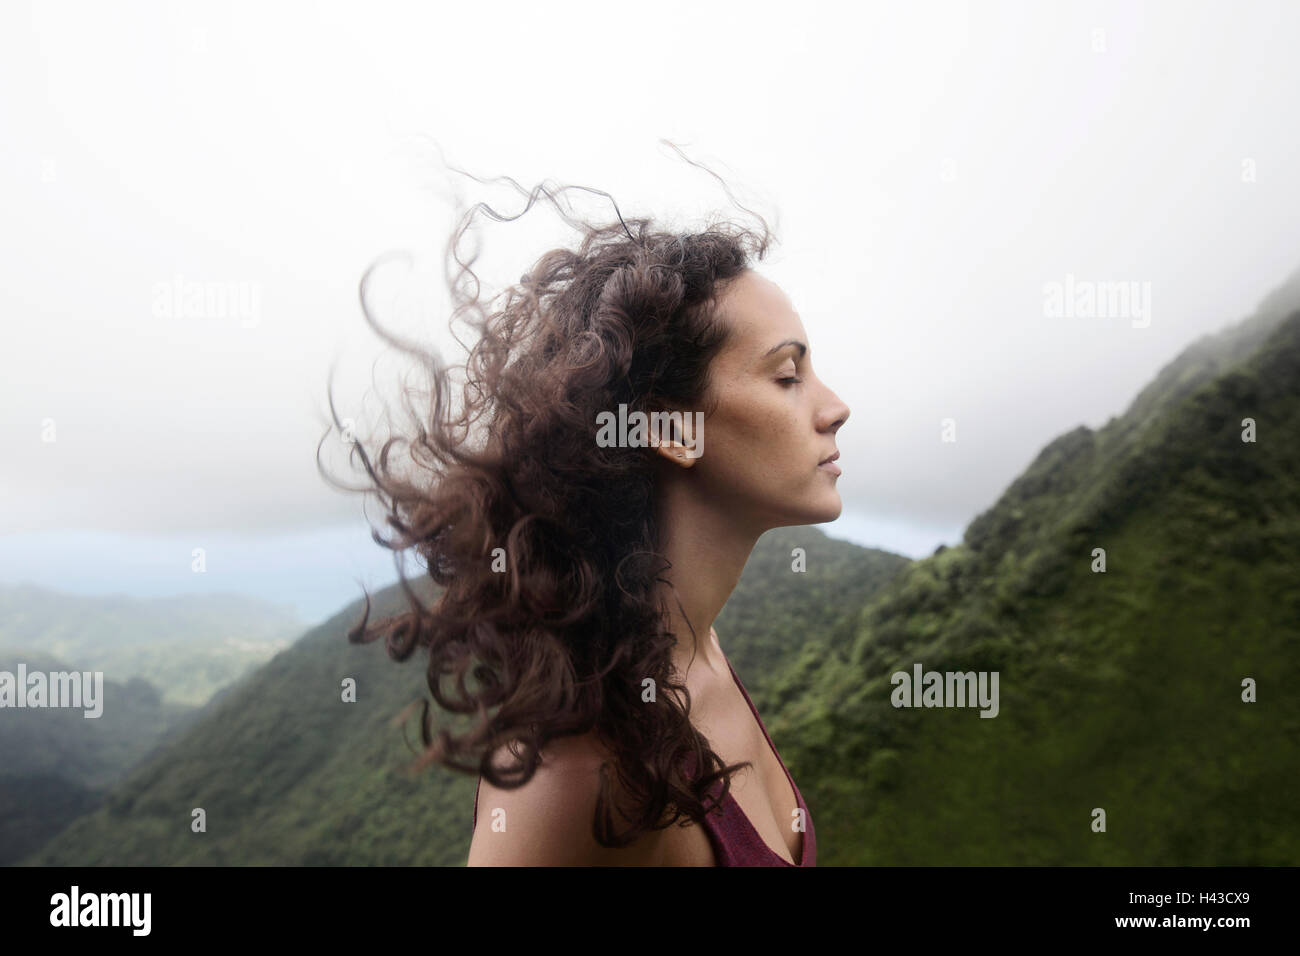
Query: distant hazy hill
1119,690
56,764
189,646
289,774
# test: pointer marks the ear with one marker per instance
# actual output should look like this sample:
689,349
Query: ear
676,453
666,440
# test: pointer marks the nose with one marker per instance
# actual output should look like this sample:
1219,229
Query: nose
834,414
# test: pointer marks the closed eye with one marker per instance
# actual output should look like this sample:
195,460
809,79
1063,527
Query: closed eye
790,381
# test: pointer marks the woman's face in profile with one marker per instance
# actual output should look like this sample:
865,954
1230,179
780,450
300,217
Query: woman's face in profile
775,421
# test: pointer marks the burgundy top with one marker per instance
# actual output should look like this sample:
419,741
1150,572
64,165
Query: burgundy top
734,839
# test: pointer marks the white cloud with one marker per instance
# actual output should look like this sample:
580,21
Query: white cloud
933,166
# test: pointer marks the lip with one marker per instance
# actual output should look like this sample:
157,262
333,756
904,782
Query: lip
829,464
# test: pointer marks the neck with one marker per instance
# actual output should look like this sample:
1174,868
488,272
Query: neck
708,553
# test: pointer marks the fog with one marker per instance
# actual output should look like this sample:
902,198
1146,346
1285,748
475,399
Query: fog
191,193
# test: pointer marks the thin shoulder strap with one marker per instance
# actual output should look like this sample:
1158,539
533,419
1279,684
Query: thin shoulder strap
766,736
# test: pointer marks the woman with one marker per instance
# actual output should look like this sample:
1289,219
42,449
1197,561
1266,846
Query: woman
581,576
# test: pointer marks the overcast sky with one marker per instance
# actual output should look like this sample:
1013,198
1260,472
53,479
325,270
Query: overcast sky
932,169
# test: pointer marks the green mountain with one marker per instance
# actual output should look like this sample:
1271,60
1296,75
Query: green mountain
1120,690
190,645
288,773
798,597
57,764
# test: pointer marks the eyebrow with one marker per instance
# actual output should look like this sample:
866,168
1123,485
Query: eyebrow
803,349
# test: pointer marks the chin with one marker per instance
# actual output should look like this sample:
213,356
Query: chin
819,510
834,512
826,511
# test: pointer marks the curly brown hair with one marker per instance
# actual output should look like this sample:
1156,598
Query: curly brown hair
546,545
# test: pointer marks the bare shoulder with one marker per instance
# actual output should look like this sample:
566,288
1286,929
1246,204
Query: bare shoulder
548,821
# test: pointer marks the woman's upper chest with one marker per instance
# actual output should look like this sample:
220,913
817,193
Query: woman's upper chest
763,791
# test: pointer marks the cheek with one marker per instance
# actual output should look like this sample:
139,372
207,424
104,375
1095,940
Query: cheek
753,441
755,437
761,455
765,421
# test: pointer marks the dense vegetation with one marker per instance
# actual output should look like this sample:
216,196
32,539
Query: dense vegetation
56,764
